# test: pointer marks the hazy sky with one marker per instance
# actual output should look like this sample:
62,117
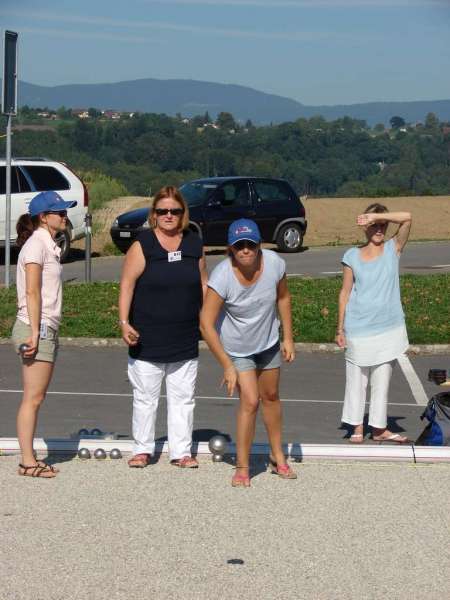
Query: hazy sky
316,51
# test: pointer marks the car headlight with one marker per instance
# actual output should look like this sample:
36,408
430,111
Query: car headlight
115,223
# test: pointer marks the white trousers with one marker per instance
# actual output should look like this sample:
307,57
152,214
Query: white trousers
357,379
146,379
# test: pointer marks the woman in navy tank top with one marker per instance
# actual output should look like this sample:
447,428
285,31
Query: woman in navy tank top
159,304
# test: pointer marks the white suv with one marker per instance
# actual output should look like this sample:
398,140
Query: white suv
32,175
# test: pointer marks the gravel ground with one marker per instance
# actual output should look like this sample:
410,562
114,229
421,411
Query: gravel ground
101,531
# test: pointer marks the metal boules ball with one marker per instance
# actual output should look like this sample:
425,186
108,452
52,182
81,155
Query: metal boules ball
115,453
218,445
84,453
23,348
96,431
217,457
100,454
83,432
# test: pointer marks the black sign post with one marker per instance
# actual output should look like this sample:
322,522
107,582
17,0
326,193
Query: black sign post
9,108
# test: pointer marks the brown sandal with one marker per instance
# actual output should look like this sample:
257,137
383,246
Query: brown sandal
187,462
139,461
42,463
37,471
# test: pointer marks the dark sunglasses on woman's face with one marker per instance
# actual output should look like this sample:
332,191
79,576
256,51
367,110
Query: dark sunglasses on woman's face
379,225
60,213
176,212
245,244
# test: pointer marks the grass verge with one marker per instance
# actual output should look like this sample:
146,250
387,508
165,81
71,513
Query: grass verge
91,310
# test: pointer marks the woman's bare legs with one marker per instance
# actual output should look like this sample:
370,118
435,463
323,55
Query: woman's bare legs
268,381
246,418
36,378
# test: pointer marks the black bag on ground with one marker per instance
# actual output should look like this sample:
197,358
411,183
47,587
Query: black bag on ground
437,412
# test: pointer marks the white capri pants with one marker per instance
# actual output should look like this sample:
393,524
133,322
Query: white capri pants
356,382
146,378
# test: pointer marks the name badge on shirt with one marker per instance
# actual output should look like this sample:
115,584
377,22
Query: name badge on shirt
43,332
174,256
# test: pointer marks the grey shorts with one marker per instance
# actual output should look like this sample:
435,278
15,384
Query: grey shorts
268,359
47,349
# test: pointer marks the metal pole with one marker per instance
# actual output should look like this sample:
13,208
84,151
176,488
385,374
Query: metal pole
87,257
8,202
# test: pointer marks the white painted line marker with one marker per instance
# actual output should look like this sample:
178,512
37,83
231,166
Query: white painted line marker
331,272
233,398
440,266
413,380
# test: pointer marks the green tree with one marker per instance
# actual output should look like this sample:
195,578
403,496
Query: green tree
397,122
225,121
94,113
431,122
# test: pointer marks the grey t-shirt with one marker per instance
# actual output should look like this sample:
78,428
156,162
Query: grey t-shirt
249,321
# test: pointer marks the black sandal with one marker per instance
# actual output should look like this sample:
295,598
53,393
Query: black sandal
36,470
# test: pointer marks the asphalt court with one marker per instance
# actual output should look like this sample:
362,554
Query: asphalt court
90,389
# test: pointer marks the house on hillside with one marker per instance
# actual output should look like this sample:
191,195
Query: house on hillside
111,114
81,113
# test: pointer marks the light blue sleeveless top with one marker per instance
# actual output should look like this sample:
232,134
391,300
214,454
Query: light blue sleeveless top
374,305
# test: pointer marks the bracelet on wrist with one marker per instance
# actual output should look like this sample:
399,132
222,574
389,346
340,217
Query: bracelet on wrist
120,322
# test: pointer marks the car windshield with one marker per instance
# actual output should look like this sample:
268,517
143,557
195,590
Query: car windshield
195,193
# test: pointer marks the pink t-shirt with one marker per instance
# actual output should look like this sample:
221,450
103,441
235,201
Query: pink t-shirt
41,249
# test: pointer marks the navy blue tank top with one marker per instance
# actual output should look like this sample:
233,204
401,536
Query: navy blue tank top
167,300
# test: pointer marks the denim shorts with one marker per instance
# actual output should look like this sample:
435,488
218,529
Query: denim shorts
267,359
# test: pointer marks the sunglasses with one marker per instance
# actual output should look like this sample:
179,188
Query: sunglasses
60,213
379,225
245,244
176,212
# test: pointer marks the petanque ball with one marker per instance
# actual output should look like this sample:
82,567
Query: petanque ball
23,348
96,431
115,453
217,457
218,445
83,432
84,453
100,454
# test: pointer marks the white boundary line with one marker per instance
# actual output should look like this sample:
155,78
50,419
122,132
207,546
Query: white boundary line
413,380
234,398
379,452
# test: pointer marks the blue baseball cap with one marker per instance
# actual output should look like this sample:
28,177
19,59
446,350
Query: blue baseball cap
243,229
48,201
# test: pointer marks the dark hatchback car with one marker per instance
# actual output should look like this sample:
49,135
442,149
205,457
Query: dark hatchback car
216,202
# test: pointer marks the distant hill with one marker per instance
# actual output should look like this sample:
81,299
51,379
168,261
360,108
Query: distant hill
191,98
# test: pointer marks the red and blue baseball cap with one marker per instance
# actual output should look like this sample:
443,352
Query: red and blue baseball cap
243,229
49,202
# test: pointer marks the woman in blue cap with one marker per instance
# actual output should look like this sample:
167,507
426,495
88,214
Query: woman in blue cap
246,293
39,301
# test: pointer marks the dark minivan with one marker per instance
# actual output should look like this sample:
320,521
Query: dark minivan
216,202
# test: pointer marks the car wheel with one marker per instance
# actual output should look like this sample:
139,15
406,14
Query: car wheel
63,240
290,238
